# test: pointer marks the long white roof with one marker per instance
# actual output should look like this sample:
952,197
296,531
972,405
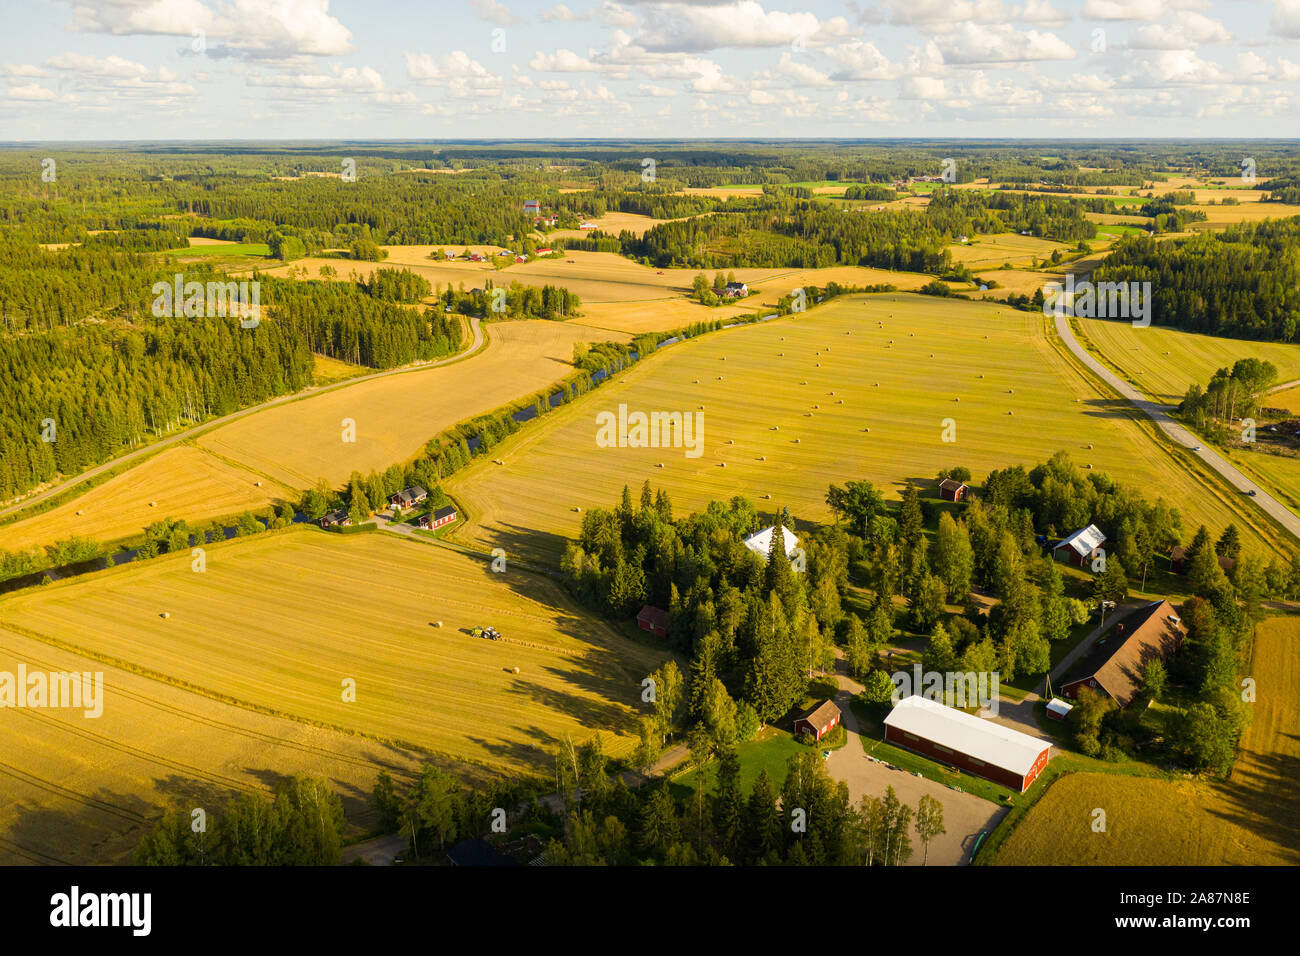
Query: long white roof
760,542
976,737
1085,540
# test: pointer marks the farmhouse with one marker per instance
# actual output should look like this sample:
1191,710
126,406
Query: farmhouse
760,542
545,252
1114,666
735,290
820,721
1081,547
653,619
951,490
408,498
439,518
340,518
978,746
532,207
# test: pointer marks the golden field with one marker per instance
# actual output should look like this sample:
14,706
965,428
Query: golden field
828,397
1248,820
180,482
84,791
300,442
1163,362
277,623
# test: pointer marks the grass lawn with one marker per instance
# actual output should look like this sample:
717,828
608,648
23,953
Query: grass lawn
769,751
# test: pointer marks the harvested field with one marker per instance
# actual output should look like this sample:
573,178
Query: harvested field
947,359
179,482
277,623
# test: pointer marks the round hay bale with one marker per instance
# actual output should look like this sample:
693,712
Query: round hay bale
660,465
1010,413
796,441
819,364
78,513
1089,446
437,623
719,378
839,401
767,496
1011,391
866,429
722,464
816,406
514,670
579,510
762,458
153,504
165,615
257,484
776,428
956,399
701,408
731,441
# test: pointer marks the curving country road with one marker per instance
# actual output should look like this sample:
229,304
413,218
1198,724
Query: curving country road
476,342
1270,505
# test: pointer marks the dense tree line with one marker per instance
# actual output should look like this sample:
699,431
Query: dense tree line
300,824
1241,282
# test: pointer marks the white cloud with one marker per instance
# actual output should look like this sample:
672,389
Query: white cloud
264,29
1285,21
1189,31
562,61
496,12
1000,43
859,60
683,28
457,72
1137,9
349,80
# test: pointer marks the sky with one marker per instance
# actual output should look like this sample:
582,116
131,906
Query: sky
470,69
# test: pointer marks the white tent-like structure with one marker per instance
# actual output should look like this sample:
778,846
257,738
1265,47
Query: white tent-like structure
760,542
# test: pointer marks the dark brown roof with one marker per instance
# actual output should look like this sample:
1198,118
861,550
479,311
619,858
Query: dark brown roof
443,512
1151,635
951,484
822,714
654,616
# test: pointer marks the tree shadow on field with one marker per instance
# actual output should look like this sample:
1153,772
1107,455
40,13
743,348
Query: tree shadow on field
1262,797
541,548
1109,408
104,829
538,755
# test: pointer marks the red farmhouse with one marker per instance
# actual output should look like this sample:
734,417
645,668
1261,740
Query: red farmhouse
820,721
439,518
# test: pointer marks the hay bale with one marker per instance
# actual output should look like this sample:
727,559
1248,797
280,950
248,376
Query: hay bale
514,670
437,623
153,504
579,510
722,464
78,514
165,615
257,484
660,465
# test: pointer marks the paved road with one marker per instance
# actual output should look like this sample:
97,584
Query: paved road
964,815
1157,413
186,434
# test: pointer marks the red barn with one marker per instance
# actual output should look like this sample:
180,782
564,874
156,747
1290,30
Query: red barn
439,518
969,743
819,721
654,620
951,490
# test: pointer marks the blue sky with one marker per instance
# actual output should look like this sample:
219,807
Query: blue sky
344,69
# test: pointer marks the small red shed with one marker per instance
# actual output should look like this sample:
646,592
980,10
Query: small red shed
819,721
654,620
